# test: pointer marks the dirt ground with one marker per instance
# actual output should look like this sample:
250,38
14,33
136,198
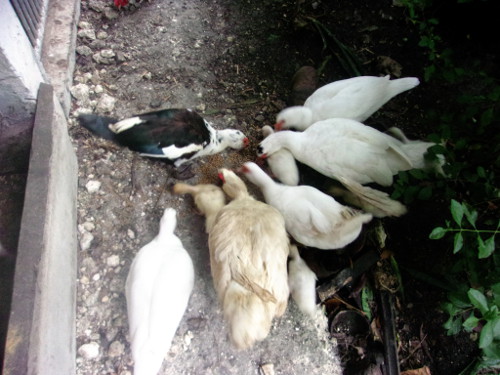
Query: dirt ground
232,61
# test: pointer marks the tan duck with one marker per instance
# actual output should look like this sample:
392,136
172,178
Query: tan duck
248,257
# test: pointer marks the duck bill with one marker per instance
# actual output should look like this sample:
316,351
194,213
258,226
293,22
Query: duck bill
279,125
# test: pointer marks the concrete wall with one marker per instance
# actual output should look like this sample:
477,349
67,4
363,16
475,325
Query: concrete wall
34,139
20,77
41,333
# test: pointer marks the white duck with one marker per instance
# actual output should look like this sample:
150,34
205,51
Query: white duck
282,163
312,217
248,253
158,288
302,283
344,148
354,98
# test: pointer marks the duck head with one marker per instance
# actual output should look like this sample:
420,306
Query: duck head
294,118
232,138
232,185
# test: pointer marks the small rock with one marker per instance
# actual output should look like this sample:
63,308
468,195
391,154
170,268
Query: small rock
266,369
102,35
89,351
113,261
80,92
188,337
121,57
86,240
116,349
88,265
105,104
84,25
155,103
98,89
84,50
130,234
88,226
87,34
93,186
259,118
107,53
110,14
96,6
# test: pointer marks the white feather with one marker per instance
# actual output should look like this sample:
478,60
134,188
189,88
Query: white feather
125,124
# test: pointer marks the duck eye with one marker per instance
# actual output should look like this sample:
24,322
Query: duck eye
260,150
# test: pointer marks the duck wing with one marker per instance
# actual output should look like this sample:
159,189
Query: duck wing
347,148
247,245
153,133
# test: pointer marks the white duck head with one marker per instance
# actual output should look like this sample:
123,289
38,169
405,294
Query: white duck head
296,117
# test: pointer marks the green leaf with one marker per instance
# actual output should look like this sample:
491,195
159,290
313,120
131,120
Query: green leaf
496,328
481,172
487,117
486,248
366,298
425,194
470,323
453,326
471,215
437,233
457,211
495,288
458,242
478,299
487,336
460,301
491,355
418,174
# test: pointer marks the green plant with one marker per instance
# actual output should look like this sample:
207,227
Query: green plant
474,306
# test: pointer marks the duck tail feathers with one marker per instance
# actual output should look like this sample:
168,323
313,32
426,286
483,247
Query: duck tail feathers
98,125
404,84
374,201
248,315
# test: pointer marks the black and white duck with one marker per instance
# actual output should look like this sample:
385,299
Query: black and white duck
176,135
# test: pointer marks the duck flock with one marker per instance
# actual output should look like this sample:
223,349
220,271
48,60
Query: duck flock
258,266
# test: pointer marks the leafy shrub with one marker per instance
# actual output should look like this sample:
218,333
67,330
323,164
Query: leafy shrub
475,305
